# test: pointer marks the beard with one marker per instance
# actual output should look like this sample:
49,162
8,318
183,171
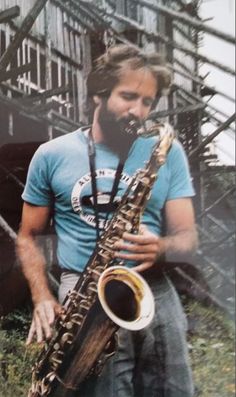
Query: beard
119,133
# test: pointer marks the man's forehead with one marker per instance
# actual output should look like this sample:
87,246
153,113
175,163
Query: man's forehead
137,80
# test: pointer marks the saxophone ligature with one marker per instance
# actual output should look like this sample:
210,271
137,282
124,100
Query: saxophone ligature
107,296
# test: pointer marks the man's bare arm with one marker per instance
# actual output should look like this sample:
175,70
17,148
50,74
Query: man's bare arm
181,240
34,221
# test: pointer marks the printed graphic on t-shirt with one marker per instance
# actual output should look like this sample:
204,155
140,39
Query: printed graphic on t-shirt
83,201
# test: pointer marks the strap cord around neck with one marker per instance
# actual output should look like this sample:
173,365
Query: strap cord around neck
92,165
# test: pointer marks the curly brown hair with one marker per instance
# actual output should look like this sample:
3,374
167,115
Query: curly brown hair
109,67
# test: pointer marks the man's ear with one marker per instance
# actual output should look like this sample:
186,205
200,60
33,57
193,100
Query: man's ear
97,100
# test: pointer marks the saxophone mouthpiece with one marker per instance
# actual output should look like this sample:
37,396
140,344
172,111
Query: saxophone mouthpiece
152,127
149,128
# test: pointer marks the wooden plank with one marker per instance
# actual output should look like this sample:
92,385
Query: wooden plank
170,43
178,110
14,72
43,108
21,34
195,152
10,13
46,94
24,110
193,22
72,29
7,228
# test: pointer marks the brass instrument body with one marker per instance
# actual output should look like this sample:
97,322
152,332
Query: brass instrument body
78,346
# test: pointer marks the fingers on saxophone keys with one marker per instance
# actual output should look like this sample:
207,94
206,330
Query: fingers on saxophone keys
132,247
139,257
141,238
143,266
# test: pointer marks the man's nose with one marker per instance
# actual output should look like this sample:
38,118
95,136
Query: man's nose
137,110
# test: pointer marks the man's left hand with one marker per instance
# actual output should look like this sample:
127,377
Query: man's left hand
144,247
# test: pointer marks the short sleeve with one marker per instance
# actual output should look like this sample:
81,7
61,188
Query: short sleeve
37,189
180,178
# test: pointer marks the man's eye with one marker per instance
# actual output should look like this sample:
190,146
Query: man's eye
128,97
148,101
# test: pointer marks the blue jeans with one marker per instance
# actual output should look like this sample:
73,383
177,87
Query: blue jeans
152,362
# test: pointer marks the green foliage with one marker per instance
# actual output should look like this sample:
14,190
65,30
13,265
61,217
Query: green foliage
16,359
211,343
212,353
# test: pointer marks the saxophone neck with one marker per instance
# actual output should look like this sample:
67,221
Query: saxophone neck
167,135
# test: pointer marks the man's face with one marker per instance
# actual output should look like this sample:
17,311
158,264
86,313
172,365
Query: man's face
130,100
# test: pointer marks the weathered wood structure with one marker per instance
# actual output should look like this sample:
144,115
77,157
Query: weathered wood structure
46,51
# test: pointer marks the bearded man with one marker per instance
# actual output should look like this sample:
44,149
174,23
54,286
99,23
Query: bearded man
82,177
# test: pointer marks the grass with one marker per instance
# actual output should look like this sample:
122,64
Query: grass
15,359
211,343
212,351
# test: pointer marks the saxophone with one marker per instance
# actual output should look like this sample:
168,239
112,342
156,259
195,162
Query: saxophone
82,337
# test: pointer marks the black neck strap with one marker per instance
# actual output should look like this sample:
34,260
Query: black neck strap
92,165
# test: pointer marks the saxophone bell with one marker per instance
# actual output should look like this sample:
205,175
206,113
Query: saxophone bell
126,298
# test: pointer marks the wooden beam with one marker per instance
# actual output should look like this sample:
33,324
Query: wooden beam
178,110
14,72
21,34
10,175
195,152
7,228
10,13
182,17
216,202
43,108
46,94
157,36
38,117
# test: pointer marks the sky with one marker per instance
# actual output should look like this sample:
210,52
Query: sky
222,13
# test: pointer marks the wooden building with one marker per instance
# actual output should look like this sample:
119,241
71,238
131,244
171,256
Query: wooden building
46,51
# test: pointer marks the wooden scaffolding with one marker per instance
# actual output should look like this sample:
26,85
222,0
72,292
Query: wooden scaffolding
46,51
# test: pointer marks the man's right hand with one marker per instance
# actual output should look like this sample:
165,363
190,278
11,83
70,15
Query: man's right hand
44,316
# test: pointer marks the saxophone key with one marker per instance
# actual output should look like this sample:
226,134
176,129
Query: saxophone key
118,226
56,346
107,254
80,295
92,288
106,248
45,386
77,318
69,325
56,357
96,273
49,378
66,338
128,227
84,305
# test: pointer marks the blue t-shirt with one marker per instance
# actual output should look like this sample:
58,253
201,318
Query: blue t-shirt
59,176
